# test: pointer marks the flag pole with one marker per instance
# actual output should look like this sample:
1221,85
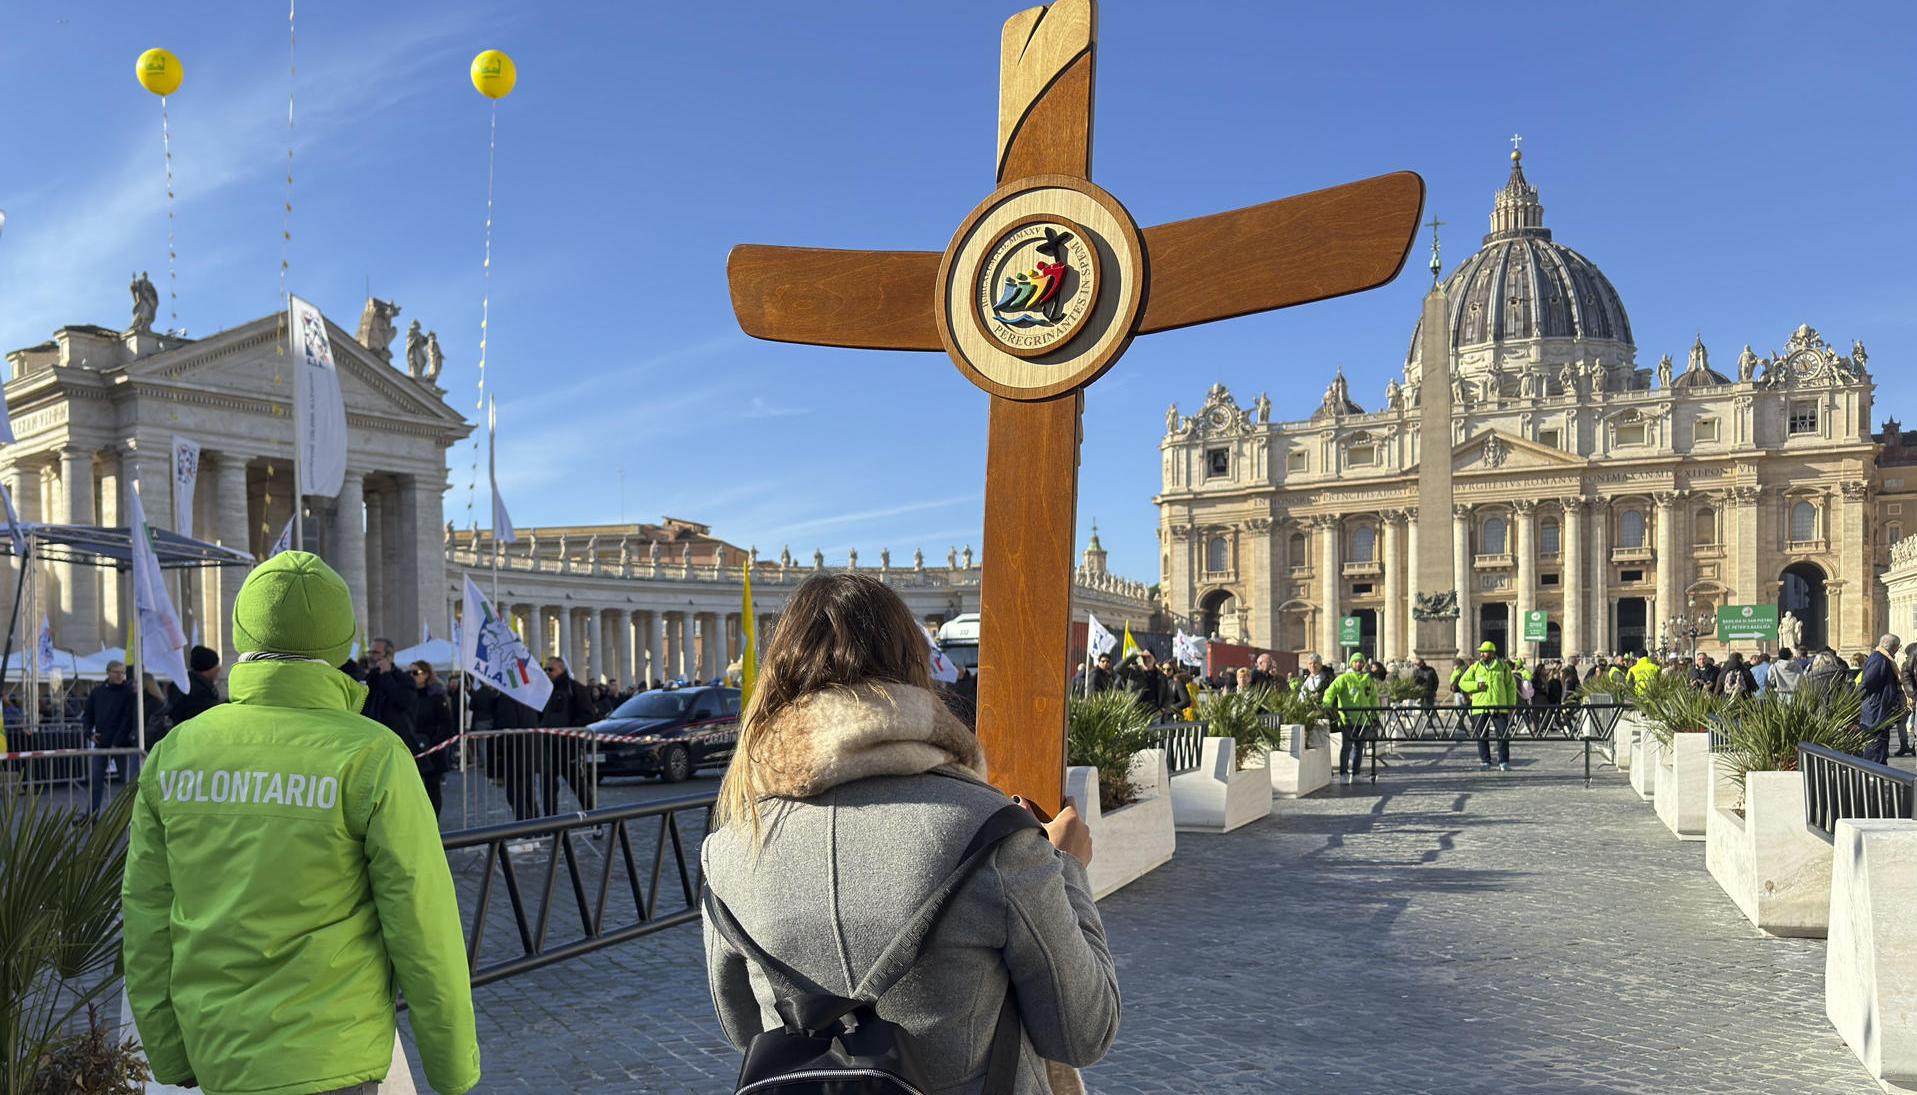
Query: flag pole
136,650
299,527
492,480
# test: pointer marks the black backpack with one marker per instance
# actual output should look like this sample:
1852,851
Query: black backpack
831,1045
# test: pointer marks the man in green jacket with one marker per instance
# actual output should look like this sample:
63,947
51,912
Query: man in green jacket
1493,692
1349,695
285,874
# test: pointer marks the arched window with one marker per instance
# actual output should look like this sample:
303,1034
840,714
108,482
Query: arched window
1803,522
1547,537
1704,528
1217,552
1364,543
1295,551
1493,543
1630,529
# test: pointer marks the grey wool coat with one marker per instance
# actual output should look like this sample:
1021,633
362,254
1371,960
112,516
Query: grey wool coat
841,868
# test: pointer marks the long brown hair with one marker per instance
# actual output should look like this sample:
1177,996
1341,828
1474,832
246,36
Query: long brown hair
837,631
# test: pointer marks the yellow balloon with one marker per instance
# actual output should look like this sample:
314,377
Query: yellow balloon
158,71
494,74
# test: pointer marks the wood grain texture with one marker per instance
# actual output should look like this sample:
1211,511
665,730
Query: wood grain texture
871,300
1055,136
1036,46
1327,243
1025,595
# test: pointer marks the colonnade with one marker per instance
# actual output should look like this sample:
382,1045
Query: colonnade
623,645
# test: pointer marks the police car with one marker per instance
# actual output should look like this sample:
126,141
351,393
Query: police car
678,732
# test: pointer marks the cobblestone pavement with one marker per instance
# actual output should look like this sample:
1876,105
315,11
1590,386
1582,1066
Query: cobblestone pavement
1450,930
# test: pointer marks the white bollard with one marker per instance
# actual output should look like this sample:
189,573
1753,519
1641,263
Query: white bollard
1870,965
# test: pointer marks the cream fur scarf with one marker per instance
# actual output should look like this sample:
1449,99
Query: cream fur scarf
844,734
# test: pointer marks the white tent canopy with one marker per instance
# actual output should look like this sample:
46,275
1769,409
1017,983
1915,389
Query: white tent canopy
63,662
437,653
93,667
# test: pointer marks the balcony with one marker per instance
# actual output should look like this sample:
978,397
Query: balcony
1368,568
1492,562
1805,546
1639,554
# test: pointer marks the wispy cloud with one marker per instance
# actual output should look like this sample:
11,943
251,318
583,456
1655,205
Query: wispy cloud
880,514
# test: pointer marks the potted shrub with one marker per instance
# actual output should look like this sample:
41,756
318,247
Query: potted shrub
1758,848
1120,780
1231,787
1298,750
59,948
1680,719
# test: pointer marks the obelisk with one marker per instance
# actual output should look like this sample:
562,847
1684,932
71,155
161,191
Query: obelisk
1434,587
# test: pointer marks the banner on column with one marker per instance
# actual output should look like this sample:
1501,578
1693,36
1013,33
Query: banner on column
319,414
491,653
186,475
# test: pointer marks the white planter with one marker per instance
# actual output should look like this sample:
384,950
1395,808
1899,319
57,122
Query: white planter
1870,966
1624,741
1644,768
1771,865
1682,793
1216,799
1132,841
1305,764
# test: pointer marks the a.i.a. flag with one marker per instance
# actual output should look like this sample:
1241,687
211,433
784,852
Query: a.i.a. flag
492,654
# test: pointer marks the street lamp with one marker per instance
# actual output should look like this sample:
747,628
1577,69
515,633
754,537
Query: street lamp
1686,629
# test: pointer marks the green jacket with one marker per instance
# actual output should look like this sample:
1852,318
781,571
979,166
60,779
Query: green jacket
284,876
1489,684
1353,688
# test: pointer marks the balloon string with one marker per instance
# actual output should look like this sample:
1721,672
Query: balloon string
485,309
286,241
172,251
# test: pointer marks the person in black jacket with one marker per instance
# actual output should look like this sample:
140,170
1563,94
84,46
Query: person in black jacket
389,694
109,721
1140,677
433,723
1427,680
203,668
568,708
1883,698
509,758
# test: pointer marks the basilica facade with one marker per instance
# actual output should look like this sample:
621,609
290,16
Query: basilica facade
1626,502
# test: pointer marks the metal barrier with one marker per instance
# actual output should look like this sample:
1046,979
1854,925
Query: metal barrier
1184,744
532,913
1413,724
1838,786
65,774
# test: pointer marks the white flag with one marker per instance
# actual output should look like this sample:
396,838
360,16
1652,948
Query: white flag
491,653
1097,639
162,643
943,668
502,522
43,652
319,413
186,473
6,417
285,542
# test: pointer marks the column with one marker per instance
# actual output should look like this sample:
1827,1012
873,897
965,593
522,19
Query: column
536,631
377,578
111,511
621,623
1571,571
346,541
1408,622
1851,544
652,659
422,555
1527,549
232,527
1599,576
1393,640
23,482
1669,601
1328,581
597,656
79,586
712,645
1746,546
1462,565
671,645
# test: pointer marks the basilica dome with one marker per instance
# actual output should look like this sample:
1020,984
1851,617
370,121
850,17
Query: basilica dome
1525,299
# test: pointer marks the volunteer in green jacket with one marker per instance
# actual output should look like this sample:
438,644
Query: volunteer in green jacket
285,875
1354,688
1493,693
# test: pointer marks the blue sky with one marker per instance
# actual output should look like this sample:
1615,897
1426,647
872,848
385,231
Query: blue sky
1736,169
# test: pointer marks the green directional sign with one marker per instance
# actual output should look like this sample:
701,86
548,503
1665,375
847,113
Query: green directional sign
1747,623
1537,626
1350,631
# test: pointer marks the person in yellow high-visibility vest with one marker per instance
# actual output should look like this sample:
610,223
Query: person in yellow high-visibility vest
1493,692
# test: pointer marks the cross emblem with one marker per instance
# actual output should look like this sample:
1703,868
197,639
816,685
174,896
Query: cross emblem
1039,292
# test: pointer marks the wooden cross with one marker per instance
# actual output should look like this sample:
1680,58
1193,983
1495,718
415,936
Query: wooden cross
1040,290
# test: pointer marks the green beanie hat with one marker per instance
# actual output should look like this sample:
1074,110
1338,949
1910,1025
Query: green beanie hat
295,604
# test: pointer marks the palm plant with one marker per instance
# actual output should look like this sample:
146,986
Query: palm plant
1241,717
1106,730
1762,735
1671,706
1399,688
59,926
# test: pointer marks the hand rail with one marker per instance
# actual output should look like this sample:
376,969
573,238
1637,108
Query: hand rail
1838,786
